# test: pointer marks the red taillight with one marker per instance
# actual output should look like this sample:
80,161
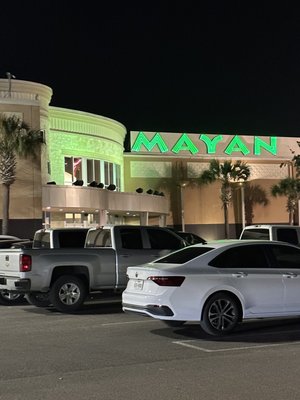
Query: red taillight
167,280
25,263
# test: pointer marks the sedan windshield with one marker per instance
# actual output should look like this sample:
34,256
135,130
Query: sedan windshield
184,255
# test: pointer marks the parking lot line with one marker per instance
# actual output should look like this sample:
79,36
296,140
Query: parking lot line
186,343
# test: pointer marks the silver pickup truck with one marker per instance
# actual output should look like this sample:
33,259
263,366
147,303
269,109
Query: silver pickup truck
64,277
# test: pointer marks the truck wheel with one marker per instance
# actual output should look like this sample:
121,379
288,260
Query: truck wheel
9,298
38,299
68,293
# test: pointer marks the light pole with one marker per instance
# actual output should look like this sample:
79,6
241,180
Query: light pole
182,185
9,77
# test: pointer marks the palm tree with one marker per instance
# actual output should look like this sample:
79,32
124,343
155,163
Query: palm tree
226,173
16,140
254,194
289,187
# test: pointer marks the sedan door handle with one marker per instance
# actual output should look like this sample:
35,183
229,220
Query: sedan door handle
290,275
239,275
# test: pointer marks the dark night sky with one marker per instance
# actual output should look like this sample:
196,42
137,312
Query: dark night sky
221,66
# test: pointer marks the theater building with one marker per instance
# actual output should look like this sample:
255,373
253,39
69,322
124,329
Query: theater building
84,176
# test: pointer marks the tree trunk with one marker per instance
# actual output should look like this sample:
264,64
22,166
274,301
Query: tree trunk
225,206
5,208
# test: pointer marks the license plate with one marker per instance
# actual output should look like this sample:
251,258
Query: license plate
138,284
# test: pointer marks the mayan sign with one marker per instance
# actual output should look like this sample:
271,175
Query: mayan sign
193,144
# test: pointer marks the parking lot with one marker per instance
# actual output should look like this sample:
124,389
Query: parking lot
102,353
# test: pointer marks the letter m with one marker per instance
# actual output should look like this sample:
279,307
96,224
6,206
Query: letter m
142,140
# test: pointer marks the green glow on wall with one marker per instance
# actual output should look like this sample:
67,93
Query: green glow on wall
184,143
237,146
259,144
211,143
142,140
214,145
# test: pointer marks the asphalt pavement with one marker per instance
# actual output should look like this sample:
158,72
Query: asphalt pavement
102,353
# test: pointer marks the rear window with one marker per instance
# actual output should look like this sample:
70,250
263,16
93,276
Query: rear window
184,255
62,239
258,234
99,238
72,238
42,240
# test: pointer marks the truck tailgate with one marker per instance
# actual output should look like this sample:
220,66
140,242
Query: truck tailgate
10,262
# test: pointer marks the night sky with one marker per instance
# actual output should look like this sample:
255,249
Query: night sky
214,66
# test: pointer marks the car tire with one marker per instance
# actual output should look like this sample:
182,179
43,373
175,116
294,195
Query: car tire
9,298
173,323
221,314
38,299
68,293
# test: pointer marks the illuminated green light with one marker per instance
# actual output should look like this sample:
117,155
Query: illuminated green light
259,144
142,140
211,144
184,143
237,146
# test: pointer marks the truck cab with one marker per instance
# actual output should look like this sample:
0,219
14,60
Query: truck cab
283,233
55,238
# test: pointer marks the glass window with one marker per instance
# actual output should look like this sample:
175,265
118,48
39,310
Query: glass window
111,173
118,176
97,176
77,168
131,238
90,170
287,235
161,239
99,238
260,234
42,240
68,170
242,257
184,255
72,238
285,256
106,173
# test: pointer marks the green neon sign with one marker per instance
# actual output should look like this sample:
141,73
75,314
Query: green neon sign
236,146
142,140
271,147
184,143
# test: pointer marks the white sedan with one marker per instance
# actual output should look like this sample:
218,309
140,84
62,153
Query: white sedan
218,284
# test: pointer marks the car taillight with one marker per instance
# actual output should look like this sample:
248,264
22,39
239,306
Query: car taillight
25,263
167,280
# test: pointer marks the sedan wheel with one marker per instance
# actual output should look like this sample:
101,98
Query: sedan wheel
68,293
221,314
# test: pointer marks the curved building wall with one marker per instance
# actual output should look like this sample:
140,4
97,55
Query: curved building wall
92,143
79,134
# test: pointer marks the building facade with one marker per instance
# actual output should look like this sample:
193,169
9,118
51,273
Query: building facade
78,180
173,162
83,177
